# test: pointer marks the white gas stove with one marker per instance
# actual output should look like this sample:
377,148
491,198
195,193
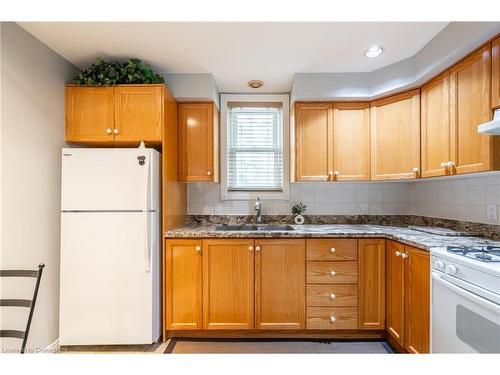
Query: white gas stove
465,299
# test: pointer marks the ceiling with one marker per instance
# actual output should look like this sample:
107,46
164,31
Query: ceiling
237,52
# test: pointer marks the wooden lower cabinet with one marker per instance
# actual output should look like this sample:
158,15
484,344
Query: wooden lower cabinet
228,284
371,283
417,296
408,296
332,318
183,284
395,306
280,284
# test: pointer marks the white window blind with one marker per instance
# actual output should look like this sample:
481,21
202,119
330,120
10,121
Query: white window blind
255,148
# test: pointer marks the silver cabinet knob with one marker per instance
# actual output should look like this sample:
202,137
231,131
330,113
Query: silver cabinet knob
443,164
198,249
257,248
450,164
415,170
333,250
333,273
109,131
116,131
209,173
333,319
398,253
250,248
336,173
332,296
404,255
330,173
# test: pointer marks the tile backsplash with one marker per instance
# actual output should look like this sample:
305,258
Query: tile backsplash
461,198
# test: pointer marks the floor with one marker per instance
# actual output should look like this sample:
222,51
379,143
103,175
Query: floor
228,346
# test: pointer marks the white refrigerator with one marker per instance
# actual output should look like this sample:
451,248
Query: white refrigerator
110,246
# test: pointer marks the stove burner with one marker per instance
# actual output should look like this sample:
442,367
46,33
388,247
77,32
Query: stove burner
481,253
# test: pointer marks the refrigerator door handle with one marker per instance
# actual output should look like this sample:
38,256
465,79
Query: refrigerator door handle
147,182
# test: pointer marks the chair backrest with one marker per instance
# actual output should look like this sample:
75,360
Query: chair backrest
30,303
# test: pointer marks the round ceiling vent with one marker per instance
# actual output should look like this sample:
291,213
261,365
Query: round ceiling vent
255,84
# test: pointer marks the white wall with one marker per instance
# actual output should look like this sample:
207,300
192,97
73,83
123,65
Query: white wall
192,87
461,198
32,134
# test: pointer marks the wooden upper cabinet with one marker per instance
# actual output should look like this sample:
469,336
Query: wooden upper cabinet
371,284
470,106
436,127
351,141
395,280
417,295
198,142
89,114
313,142
183,284
395,137
138,113
228,284
495,73
280,284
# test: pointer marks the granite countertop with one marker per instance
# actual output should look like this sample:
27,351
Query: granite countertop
415,238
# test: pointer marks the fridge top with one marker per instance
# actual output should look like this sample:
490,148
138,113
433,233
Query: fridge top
110,179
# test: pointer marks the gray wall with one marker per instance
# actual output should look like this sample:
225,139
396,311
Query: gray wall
32,134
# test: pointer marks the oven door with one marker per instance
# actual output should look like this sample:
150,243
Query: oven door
462,322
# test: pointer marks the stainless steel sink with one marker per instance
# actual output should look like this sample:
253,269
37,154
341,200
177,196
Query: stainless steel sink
254,227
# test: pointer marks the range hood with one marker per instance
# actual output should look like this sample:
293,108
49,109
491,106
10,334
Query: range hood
491,127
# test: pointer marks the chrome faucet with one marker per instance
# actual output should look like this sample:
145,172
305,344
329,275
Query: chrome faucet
258,209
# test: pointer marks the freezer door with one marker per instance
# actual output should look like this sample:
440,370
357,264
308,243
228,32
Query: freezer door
108,289
109,179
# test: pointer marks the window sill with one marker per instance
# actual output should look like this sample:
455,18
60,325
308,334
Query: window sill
252,195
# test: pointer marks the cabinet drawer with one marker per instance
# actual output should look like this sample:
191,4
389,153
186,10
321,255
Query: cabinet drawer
332,272
332,249
332,318
332,295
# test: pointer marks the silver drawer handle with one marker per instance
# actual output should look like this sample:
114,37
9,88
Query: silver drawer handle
333,273
198,249
333,250
333,319
333,296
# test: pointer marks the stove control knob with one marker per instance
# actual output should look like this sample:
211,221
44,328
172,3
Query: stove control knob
451,269
439,264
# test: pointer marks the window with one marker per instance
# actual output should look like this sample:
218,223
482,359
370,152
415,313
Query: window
254,146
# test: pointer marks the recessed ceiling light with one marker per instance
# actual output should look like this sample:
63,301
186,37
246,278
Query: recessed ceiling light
255,84
374,51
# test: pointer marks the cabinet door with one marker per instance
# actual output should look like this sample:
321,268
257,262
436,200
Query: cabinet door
395,306
89,114
228,284
138,113
436,130
495,73
470,107
417,295
351,141
196,142
280,266
371,284
313,142
183,283
395,140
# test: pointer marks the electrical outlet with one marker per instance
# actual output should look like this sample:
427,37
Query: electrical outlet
491,212
364,208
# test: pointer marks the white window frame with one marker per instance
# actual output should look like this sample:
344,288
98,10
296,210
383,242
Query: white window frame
256,98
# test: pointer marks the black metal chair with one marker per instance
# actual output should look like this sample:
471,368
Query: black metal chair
22,302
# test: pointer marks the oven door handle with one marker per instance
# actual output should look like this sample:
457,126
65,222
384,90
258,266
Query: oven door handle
466,294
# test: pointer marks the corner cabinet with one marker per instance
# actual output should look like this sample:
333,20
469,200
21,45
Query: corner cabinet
198,142
408,296
395,139
122,114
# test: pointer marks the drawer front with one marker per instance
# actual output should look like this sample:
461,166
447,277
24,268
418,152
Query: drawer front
332,318
332,249
332,272
332,295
